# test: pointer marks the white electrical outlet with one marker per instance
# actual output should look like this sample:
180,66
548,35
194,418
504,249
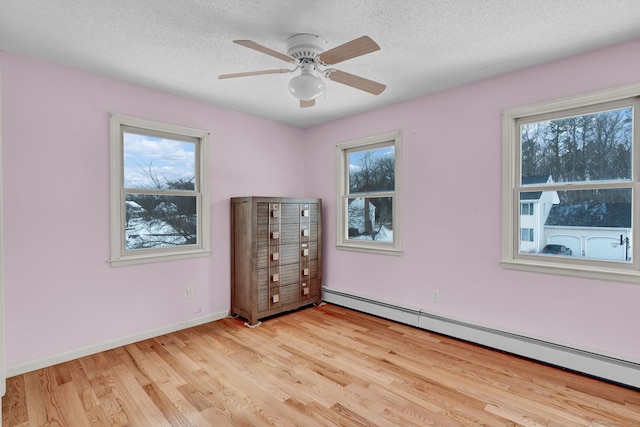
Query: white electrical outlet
435,296
190,292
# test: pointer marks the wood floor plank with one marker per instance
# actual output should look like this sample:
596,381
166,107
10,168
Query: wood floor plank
70,407
176,410
232,384
110,402
322,366
35,397
14,405
140,408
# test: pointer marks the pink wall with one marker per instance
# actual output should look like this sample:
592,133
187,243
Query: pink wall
451,212
61,293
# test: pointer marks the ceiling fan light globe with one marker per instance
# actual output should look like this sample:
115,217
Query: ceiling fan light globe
306,87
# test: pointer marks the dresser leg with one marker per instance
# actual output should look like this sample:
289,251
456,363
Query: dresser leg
252,326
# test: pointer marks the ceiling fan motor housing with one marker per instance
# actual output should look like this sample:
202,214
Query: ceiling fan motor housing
305,46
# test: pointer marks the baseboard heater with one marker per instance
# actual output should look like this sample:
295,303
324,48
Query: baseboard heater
606,367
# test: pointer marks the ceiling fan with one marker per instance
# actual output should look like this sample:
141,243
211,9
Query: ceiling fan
307,54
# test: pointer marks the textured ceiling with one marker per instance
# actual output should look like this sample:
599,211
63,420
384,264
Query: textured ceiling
181,46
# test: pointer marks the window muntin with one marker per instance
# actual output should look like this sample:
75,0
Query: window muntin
576,159
159,197
368,193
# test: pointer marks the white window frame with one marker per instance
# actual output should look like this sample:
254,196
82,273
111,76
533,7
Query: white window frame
342,240
119,255
587,268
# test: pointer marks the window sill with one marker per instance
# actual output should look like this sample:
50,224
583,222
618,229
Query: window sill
588,272
147,259
369,249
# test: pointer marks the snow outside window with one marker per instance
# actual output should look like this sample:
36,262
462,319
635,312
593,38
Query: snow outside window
159,196
579,157
369,194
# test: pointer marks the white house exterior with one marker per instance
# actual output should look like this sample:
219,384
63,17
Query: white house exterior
592,230
535,207
595,230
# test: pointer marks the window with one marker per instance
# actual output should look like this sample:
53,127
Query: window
369,194
159,191
526,234
526,209
578,158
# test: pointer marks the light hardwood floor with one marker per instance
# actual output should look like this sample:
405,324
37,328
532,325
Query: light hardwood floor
321,366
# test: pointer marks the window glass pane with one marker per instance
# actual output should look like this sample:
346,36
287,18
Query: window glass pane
370,218
591,147
372,170
594,224
154,221
151,162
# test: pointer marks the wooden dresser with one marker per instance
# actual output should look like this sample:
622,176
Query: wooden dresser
276,255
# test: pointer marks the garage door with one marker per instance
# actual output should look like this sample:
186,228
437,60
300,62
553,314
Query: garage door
605,248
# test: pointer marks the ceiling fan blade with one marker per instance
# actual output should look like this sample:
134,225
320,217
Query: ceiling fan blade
352,49
253,73
304,104
357,82
255,46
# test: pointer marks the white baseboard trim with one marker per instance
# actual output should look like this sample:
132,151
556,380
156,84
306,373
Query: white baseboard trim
607,367
93,349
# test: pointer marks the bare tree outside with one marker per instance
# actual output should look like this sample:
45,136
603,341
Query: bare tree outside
371,175
161,209
591,147
591,216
